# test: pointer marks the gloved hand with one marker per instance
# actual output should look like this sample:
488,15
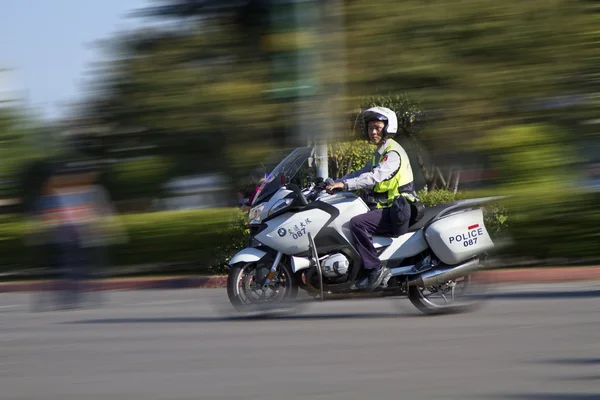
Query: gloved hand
333,186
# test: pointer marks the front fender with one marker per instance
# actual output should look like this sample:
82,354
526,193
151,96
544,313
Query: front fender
249,254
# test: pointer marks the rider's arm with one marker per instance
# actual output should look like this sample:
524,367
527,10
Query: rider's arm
383,171
356,173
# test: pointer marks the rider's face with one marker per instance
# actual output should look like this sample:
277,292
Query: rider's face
374,129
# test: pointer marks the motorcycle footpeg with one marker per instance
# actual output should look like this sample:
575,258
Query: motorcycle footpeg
360,285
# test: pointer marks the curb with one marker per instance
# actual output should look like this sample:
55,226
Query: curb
525,275
540,275
123,284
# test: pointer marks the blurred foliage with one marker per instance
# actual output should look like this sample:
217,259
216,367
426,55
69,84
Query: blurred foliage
478,64
554,223
154,238
237,239
175,236
550,215
136,178
192,91
534,156
23,140
12,142
497,220
437,197
564,227
348,156
195,85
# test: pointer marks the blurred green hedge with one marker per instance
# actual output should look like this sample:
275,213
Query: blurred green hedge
201,237
197,236
555,224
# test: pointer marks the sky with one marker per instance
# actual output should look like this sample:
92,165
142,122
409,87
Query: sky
48,46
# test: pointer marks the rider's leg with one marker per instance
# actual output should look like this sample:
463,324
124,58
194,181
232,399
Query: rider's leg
363,227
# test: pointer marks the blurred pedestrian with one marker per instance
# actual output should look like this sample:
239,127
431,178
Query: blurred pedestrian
77,225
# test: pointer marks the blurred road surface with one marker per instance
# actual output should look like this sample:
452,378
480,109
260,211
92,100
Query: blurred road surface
530,342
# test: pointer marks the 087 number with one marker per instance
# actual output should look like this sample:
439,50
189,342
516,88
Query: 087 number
299,233
470,242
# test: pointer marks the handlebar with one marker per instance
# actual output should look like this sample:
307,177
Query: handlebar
315,190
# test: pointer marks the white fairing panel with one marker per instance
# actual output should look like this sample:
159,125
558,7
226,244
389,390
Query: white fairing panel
288,233
459,236
350,205
404,246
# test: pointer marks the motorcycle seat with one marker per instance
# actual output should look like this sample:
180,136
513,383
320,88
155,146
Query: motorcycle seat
430,213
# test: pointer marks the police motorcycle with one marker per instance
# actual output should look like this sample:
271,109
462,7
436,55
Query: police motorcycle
300,240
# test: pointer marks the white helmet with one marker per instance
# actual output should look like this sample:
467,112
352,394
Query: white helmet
383,114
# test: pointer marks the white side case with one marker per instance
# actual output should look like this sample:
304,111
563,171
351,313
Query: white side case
459,236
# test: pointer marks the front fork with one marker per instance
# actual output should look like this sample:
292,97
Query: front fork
271,273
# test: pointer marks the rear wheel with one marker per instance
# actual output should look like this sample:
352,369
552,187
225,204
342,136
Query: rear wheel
459,295
246,291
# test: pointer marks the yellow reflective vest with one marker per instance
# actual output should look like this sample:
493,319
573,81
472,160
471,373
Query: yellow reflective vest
387,190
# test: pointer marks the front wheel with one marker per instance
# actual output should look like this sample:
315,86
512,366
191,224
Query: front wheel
460,295
246,290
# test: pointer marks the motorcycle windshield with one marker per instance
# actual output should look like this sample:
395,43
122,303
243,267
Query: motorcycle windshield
286,170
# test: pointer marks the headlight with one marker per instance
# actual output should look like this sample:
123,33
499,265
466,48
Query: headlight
254,214
280,205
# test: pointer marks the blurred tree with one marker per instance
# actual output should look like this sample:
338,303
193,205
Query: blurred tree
193,86
136,178
191,91
550,213
23,140
478,64
348,156
13,140
250,17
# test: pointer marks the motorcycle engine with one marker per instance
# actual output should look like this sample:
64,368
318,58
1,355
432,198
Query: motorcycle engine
335,266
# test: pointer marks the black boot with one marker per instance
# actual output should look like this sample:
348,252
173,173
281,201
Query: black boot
376,277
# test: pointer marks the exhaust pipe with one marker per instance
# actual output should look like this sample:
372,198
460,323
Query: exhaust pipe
445,273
